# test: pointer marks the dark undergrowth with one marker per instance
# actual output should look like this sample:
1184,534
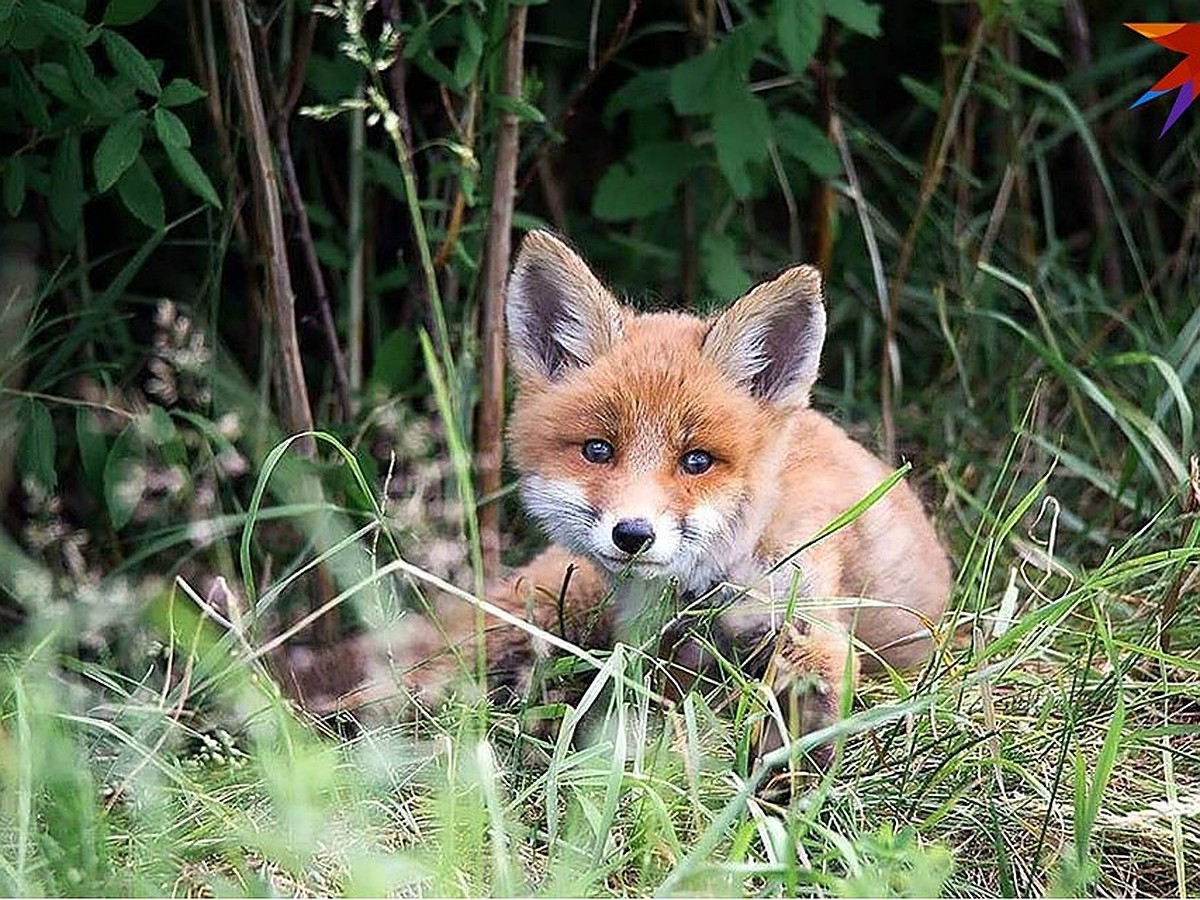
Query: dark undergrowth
1012,280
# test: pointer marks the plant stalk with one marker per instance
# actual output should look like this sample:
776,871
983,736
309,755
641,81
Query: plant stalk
499,248
281,299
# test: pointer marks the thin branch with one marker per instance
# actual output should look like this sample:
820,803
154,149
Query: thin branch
466,134
689,263
593,27
544,145
204,58
286,99
356,287
397,85
1003,195
299,66
795,244
281,298
552,194
397,75
821,200
499,248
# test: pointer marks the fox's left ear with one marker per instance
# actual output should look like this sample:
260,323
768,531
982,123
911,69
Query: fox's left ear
559,316
769,341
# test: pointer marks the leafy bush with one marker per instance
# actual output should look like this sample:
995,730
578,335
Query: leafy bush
1011,283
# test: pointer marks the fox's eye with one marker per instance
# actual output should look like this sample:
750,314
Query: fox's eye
696,462
597,451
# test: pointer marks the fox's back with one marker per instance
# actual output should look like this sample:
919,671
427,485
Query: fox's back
890,554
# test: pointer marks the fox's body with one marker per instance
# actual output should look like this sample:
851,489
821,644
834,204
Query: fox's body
787,475
677,467
677,456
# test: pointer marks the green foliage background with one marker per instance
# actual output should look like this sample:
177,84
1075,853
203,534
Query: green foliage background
1011,270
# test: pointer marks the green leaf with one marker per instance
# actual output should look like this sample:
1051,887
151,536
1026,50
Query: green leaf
418,38
141,194
624,193
123,477
55,21
742,133
643,91
332,254
55,78
922,93
129,61
36,452
170,128
159,431
397,364
695,82
14,185
180,92
434,68
468,182
91,88
798,26
472,33
1105,764
383,171
525,111
24,35
333,78
119,147
93,448
644,182
7,7
66,184
802,140
722,270
81,69
126,12
1042,42
193,176
29,98
470,51
857,16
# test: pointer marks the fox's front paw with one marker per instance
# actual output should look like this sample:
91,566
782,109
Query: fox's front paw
808,674
806,702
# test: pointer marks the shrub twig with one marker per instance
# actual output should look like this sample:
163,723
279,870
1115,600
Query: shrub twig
499,248
285,100
297,412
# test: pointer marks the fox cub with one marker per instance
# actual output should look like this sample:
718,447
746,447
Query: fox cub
677,466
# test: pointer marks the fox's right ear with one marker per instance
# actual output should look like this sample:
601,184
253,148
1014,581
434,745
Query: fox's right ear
559,315
769,342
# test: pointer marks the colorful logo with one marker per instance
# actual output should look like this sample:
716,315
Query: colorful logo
1182,38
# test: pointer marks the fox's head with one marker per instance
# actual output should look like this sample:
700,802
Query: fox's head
652,443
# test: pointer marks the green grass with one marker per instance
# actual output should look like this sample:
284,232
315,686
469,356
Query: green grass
1050,746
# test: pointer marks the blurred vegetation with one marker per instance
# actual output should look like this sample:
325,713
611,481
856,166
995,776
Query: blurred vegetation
1011,259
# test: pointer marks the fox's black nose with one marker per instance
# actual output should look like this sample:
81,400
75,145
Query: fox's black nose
632,535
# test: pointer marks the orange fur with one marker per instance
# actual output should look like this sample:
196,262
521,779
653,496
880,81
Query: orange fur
656,386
